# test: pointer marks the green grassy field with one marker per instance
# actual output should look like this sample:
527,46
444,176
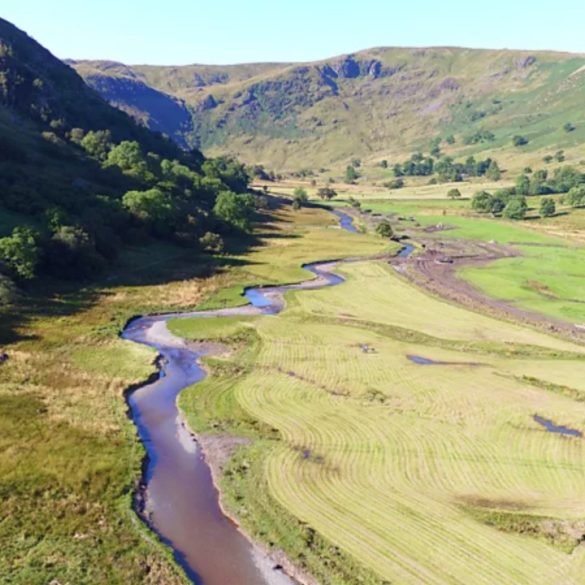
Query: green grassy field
368,468
547,277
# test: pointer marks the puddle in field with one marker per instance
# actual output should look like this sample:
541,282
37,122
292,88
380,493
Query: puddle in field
551,427
423,361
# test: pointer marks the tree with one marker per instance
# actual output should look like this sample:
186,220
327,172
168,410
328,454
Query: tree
20,252
234,210
300,198
326,193
516,208
383,164
351,175
384,229
152,206
493,172
96,143
522,185
576,196
450,139
129,158
547,207
454,194
482,202
569,127
229,171
519,140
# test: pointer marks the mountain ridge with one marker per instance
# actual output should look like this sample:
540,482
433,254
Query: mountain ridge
372,104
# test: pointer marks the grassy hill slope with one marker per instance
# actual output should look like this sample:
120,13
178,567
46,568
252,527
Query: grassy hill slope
379,103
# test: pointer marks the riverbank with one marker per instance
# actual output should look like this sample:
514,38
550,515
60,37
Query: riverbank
66,438
179,498
358,453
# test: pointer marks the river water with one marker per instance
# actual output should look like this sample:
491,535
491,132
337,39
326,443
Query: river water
180,501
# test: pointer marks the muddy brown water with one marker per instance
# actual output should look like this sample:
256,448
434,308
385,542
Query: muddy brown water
179,501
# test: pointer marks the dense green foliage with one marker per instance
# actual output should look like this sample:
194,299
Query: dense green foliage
547,207
384,229
80,180
446,169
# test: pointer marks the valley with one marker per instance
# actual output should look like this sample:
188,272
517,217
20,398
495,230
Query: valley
292,323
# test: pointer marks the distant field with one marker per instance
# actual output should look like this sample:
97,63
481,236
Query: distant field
547,278
414,189
368,461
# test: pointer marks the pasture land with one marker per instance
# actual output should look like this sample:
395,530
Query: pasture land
547,277
369,468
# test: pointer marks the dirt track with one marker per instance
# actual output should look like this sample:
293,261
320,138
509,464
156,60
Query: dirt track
435,269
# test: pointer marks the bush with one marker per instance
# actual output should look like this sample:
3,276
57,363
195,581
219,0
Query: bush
8,291
20,252
516,208
547,207
519,140
394,184
576,196
300,198
454,194
482,202
212,243
384,229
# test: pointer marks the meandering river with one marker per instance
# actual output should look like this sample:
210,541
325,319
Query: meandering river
180,501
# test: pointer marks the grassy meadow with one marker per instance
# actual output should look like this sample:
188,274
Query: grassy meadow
369,468
548,275
70,457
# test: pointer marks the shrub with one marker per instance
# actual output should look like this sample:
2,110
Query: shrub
384,229
482,202
20,252
519,140
454,194
576,196
547,207
212,243
516,208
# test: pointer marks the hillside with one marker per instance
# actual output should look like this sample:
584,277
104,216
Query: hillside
80,180
375,104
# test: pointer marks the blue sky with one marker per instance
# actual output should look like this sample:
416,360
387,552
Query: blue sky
235,31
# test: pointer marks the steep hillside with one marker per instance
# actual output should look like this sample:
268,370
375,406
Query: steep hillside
380,103
80,180
124,89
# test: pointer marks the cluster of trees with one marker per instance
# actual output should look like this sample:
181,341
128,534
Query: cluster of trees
512,203
541,182
479,137
124,194
446,169
575,197
503,202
